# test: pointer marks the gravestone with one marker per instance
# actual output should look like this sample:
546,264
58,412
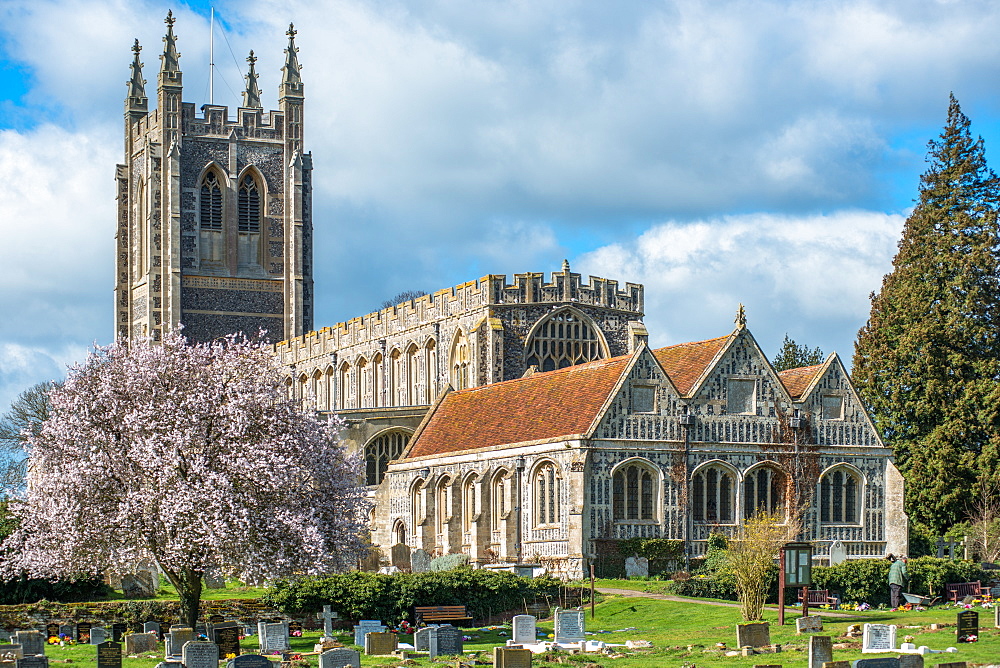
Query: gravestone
399,556
809,624
109,655
996,614
878,638
421,636
954,664
754,634
52,630
449,640
880,662
68,630
118,631
524,629
569,626
636,567
213,579
820,650
137,585
98,635
911,661
250,661
200,654
227,636
36,661
328,615
379,643
32,642
504,657
968,626
83,632
837,664
152,627
273,636
364,627
170,664
12,649
338,657
838,553
174,641
295,629
140,643
420,561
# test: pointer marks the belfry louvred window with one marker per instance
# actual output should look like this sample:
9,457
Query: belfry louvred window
248,205
211,202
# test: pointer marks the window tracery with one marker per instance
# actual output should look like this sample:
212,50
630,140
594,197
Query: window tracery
547,488
713,495
561,340
380,451
634,495
839,496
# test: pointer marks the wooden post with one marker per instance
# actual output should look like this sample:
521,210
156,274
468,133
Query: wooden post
805,600
592,591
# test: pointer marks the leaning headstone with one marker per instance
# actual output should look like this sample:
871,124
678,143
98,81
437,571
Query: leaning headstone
880,662
878,638
140,643
152,627
339,657
11,651
364,627
754,634
32,642
250,661
200,654
83,632
36,661
227,636
505,657
569,626
273,636
421,638
968,626
524,629
809,624
420,561
378,643
820,650
98,634
118,631
838,553
449,640
911,661
399,556
136,585
109,655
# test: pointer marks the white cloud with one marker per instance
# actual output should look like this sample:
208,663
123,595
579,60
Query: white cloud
808,276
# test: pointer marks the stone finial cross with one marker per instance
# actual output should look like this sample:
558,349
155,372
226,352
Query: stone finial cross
327,616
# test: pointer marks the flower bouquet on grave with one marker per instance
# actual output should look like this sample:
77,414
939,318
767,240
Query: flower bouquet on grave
972,637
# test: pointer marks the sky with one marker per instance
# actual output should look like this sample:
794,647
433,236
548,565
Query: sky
718,152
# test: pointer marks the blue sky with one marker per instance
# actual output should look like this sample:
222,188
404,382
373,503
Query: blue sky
719,152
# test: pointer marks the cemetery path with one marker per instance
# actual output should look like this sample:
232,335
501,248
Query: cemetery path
684,599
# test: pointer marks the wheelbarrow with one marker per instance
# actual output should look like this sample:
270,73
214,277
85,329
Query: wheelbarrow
917,599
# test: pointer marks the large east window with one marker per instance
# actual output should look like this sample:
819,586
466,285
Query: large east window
839,495
713,493
634,492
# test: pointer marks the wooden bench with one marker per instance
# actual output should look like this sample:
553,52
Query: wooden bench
956,591
821,597
434,614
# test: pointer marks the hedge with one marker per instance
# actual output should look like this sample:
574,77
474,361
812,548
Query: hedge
391,598
25,590
867,580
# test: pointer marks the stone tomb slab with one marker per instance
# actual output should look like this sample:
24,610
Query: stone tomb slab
820,650
31,642
379,643
953,664
399,556
36,661
880,662
809,624
174,641
636,567
250,661
524,629
11,650
140,643
420,561
569,626
273,636
878,638
911,661
364,627
109,655
200,654
421,638
754,634
505,657
449,640
98,634
837,664
339,657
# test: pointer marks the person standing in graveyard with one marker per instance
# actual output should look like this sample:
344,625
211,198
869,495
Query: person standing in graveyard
897,578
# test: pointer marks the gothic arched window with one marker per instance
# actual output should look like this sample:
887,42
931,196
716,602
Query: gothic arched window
764,491
382,450
563,339
248,204
470,503
713,495
378,380
500,497
344,386
460,362
395,378
442,504
839,496
430,371
547,489
634,492
362,383
212,246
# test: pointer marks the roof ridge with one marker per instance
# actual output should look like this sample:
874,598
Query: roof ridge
583,366
692,343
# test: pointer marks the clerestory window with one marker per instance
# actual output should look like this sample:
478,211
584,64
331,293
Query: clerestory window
563,339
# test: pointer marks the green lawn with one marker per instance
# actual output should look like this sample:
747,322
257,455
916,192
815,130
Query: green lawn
682,634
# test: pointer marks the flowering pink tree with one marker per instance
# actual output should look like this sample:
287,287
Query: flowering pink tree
194,456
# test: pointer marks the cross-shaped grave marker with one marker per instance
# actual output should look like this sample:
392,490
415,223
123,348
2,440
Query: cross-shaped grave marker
327,616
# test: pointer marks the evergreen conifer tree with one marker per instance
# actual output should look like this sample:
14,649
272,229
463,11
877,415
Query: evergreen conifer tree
928,360
792,355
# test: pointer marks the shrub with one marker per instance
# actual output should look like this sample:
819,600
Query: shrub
867,580
28,590
450,562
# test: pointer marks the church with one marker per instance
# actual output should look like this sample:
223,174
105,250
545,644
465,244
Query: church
516,420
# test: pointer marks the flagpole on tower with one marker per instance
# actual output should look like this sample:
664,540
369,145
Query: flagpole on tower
211,59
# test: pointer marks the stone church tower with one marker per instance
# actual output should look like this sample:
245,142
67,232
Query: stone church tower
214,215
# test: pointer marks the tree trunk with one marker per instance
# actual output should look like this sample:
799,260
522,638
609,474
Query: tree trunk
188,585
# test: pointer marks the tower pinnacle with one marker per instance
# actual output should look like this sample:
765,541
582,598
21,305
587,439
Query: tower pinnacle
741,318
169,59
251,96
291,80
136,98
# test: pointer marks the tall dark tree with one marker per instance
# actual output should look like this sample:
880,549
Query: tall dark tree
928,360
24,418
793,355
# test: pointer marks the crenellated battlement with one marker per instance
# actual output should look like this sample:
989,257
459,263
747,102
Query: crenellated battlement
492,290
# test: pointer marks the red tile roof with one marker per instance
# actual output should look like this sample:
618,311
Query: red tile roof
686,362
797,380
539,407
